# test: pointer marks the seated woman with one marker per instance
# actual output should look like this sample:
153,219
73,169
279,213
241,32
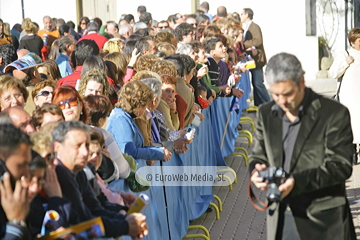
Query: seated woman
94,82
13,92
99,108
42,92
133,98
110,200
69,100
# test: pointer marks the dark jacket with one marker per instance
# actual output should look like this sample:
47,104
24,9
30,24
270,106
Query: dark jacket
321,162
85,205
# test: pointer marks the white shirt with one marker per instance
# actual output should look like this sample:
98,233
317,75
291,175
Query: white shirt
246,28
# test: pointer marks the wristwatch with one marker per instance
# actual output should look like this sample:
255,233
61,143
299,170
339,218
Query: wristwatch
15,222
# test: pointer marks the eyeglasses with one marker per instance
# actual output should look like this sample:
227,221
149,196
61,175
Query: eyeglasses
163,27
83,23
44,93
72,103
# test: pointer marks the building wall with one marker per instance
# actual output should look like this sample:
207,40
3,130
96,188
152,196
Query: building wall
283,27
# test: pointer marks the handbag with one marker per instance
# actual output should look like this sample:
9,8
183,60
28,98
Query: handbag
336,97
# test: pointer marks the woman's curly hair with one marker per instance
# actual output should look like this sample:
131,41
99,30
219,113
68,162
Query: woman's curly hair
132,94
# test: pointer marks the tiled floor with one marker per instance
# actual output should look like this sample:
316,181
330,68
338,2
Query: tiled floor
240,220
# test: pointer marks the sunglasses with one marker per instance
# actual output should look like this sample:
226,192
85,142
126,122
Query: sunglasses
44,93
72,103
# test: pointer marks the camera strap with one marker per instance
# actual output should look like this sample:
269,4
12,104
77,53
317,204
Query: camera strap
257,203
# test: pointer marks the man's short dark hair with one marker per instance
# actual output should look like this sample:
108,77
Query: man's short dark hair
177,61
64,29
38,114
202,19
196,46
60,131
221,11
84,49
145,17
182,30
143,44
205,5
64,42
10,138
8,53
71,24
211,44
188,62
129,17
141,9
249,12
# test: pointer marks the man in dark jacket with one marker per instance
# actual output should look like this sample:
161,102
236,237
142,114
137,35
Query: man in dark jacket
310,137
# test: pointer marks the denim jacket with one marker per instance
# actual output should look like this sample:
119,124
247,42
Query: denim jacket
129,138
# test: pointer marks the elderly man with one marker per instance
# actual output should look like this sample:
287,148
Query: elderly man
112,28
125,30
20,118
49,32
310,137
71,143
93,34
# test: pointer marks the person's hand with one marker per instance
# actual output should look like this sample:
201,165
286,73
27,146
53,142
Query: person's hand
258,181
202,71
237,92
349,60
181,150
287,187
243,69
237,77
15,203
200,115
51,186
182,132
134,57
181,142
172,106
137,225
254,51
150,162
128,198
167,154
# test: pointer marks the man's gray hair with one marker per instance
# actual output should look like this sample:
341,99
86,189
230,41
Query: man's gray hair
60,131
124,28
92,26
139,25
282,67
154,84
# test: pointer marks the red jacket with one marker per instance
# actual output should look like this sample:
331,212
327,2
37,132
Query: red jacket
181,107
99,39
72,79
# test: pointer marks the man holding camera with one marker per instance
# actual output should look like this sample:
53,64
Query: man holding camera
310,137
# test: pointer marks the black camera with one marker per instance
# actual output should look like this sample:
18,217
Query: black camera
275,176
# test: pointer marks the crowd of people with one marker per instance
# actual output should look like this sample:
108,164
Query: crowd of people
82,106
